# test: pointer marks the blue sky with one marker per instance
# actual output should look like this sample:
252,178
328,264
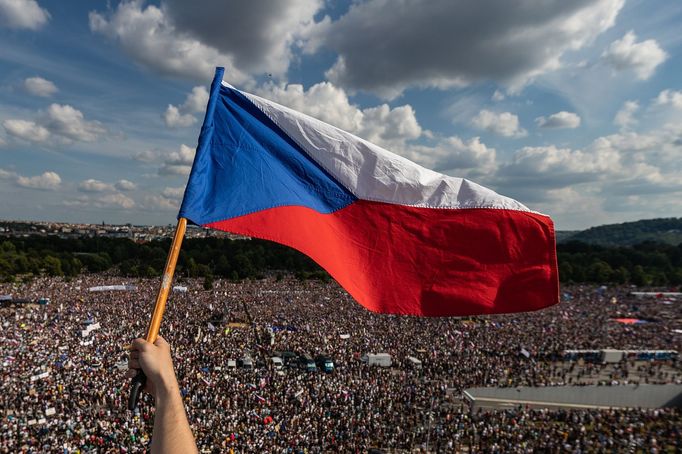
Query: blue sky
573,108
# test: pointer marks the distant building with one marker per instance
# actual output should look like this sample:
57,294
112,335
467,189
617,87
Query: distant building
657,294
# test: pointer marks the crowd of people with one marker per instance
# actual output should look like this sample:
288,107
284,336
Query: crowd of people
64,389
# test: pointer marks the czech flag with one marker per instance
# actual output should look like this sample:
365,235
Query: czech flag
399,238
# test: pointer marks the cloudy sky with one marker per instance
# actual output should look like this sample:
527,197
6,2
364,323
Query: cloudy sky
572,107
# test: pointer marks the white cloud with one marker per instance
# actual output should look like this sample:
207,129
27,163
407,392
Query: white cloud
125,185
78,202
185,156
324,101
22,14
61,122
574,208
38,86
112,200
115,200
625,117
534,172
46,181
92,185
196,100
394,128
504,123
159,203
26,130
549,166
174,119
462,158
69,124
147,156
173,193
174,169
642,57
660,148
260,37
178,39
435,43
472,154
5,174
149,38
182,116
558,120
669,98
611,174
178,162
498,96
384,125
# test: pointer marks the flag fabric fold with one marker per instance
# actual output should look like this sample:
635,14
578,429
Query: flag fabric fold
398,237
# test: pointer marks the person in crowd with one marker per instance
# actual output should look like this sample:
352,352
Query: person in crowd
63,366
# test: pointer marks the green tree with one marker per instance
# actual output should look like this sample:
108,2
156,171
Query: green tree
676,276
53,266
640,277
8,247
565,272
599,272
6,268
659,278
21,264
192,268
620,275
222,266
244,265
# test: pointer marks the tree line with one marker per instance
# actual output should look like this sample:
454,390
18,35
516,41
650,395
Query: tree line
645,264
206,258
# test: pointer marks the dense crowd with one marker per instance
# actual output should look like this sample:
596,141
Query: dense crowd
64,390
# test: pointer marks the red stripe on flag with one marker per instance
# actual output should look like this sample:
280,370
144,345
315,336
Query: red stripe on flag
422,261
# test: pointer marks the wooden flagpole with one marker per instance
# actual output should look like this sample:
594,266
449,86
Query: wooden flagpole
140,379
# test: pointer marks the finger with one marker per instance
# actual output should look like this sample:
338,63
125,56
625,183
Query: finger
134,354
161,342
133,364
140,344
130,373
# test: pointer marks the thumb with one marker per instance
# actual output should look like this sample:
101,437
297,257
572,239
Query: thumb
161,342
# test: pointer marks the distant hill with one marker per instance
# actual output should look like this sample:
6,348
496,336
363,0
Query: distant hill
564,235
663,230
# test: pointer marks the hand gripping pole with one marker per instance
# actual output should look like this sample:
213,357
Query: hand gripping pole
140,379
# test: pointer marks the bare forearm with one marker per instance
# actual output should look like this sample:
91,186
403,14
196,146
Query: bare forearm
172,433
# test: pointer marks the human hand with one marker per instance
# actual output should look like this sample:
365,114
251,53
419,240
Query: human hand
156,363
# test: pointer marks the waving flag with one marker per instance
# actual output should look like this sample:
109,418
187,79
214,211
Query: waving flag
398,237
